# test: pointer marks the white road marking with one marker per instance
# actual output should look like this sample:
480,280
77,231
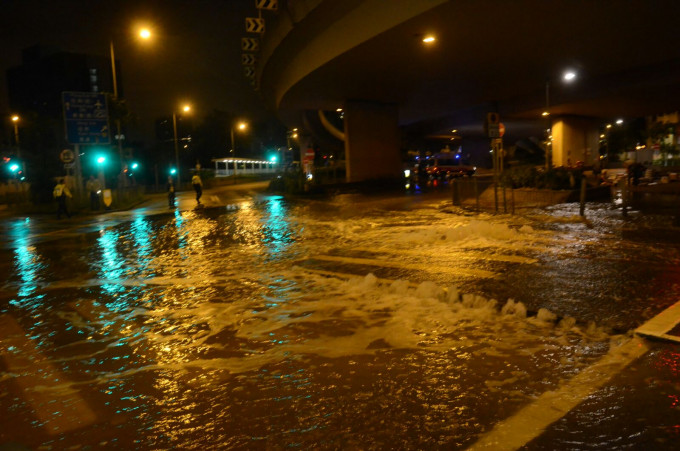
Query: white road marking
658,326
532,420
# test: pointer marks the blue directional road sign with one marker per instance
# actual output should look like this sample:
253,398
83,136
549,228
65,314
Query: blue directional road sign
86,117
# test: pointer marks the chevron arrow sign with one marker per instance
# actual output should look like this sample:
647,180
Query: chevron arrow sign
254,25
250,44
248,59
249,71
271,5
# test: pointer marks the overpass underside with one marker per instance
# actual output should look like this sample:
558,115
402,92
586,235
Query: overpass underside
367,57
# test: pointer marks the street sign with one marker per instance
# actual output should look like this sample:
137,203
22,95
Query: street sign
86,118
67,156
254,25
69,165
248,59
107,197
250,44
249,71
493,131
271,5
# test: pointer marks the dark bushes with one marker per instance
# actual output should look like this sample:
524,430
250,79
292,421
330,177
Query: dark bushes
532,177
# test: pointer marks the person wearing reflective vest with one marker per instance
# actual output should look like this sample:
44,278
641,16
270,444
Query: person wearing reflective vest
60,193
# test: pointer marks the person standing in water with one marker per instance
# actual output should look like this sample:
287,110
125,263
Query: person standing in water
198,186
60,193
171,192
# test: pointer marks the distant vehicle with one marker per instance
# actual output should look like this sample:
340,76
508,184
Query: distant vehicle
442,167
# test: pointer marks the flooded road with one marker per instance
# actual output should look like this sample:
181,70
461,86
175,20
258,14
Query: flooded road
353,323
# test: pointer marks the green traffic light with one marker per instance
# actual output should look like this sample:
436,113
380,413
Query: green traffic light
135,165
14,167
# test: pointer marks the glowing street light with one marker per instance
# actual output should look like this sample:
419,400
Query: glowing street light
429,39
569,76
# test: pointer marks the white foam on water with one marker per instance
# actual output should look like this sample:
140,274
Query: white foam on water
333,318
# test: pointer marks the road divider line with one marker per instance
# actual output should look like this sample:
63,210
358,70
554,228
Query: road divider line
659,326
532,420
58,409
466,272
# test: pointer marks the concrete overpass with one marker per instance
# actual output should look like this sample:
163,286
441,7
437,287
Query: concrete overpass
368,58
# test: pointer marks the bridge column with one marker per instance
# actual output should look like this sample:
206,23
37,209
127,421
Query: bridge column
372,141
574,139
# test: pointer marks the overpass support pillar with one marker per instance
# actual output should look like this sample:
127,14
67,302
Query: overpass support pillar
575,139
372,141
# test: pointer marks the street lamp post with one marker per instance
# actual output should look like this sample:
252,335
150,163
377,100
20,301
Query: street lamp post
186,108
15,120
241,126
115,98
567,77
144,33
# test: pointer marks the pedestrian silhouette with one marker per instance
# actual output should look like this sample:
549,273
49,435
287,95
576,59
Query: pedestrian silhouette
198,186
171,192
60,193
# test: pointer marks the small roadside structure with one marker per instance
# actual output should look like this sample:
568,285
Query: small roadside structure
225,167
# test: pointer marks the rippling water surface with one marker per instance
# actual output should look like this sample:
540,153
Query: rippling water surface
276,325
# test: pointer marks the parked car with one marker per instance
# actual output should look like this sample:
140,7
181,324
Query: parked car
442,167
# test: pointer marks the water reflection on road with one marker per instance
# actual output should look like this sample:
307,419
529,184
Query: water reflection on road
243,327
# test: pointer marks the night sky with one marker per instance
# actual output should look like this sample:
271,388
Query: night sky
194,57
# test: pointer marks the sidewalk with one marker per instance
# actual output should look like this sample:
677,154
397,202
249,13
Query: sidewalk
156,203
22,229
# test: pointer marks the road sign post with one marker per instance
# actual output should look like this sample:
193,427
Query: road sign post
86,121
